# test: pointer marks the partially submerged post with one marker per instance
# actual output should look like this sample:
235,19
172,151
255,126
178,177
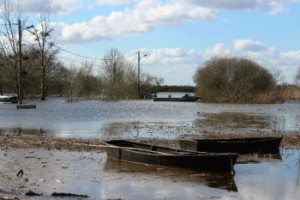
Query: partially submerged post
20,64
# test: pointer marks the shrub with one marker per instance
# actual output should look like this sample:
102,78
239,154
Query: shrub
232,80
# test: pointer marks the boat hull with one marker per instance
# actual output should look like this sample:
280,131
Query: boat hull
238,145
167,157
183,99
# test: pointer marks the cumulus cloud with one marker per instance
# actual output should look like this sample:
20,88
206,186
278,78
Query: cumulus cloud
273,7
249,45
284,62
227,4
174,63
145,16
52,6
170,56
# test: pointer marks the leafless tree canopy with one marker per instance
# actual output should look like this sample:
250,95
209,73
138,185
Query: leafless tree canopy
9,47
120,78
42,73
45,50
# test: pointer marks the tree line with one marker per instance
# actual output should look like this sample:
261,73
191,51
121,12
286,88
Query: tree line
220,79
44,74
116,78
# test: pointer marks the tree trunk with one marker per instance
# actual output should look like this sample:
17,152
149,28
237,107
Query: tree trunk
43,97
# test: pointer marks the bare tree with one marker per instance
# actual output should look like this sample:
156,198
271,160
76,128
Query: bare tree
9,44
147,84
278,77
113,66
46,49
114,73
71,82
120,78
82,83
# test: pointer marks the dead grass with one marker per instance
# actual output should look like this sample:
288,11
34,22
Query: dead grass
289,141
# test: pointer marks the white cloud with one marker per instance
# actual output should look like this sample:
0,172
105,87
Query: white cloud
170,56
217,50
176,63
227,4
52,6
273,7
270,58
248,45
145,16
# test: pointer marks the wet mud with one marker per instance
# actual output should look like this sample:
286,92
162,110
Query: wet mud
73,144
34,173
39,167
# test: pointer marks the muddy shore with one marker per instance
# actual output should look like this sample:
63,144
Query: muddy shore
37,144
50,143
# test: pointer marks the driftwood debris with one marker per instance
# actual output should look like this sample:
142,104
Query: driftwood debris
56,194
20,173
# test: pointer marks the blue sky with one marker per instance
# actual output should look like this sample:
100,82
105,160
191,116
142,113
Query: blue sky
178,36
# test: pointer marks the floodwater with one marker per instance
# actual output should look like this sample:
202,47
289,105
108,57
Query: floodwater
145,118
92,174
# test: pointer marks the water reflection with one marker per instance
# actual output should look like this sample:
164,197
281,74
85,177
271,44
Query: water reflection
215,180
90,173
239,121
257,158
269,180
21,131
207,123
166,130
298,177
148,118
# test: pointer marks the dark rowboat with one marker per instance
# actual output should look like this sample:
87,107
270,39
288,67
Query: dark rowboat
238,145
189,99
168,157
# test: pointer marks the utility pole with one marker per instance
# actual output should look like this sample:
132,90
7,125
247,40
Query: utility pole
20,63
139,74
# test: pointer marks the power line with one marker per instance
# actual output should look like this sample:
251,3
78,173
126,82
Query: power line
82,56
76,54
71,52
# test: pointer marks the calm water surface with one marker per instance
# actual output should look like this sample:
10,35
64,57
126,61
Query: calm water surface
145,118
92,174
